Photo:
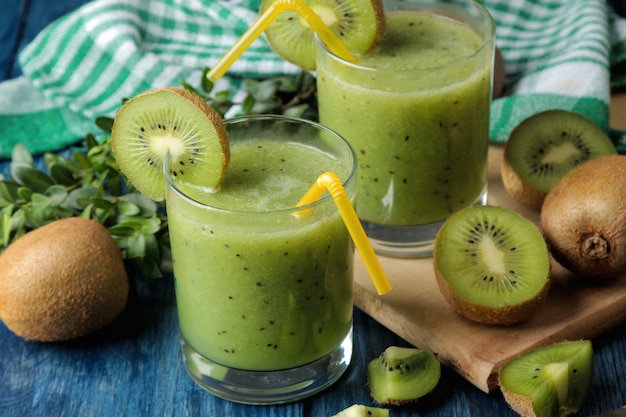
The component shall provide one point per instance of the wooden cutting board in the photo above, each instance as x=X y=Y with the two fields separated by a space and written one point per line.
x=416 y=311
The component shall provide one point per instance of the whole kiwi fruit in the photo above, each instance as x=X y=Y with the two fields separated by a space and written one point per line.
x=62 y=281
x=583 y=218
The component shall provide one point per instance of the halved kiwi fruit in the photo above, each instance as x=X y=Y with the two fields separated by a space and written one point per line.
x=546 y=146
x=169 y=122
x=492 y=265
x=359 y=24
x=402 y=374
x=359 y=410
x=551 y=381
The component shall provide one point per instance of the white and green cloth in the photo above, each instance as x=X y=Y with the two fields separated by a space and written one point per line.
x=564 y=54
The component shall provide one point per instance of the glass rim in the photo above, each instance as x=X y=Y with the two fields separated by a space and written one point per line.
x=261 y=117
x=490 y=38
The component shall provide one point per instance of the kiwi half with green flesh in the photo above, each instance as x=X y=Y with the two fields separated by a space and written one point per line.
x=551 y=381
x=358 y=24
x=401 y=374
x=492 y=265
x=583 y=219
x=358 y=410
x=174 y=122
x=546 y=146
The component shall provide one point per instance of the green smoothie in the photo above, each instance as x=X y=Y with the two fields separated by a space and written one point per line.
x=258 y=288
x=416 y=111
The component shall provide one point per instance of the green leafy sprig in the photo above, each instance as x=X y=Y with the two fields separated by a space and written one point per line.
x=86 y=182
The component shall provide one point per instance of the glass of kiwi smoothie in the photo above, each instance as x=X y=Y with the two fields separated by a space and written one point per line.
x=263 y=291
x=416 y=111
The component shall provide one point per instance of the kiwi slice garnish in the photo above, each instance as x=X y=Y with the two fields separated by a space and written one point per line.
x=358 y=24
x=492 y=265
x=174 y=122
x=551 y=381
x=359 y=410
x=402 y=374
x=545 y=147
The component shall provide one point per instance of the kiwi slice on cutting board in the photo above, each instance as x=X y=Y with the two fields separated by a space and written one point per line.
x=359 y=410
x=174 y=122
x=550 y=381
x=401 y=374
x=545 y=147
x=492 y=265
x=358 y=24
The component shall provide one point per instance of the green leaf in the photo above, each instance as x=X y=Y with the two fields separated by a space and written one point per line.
x=223 y=97
x=80 y=198
x=90 y=139
x=6 y=222
x=61 y=174
x=31 y=177
x=126 y=208
x=247 y=104
x=121 y=230
x=24 y=193
x=135 y=246
x=104 y=123
x=296 y=111
x=102 y=203
x=56 y=195
x=207 y=85
x=148 y=207
x=21 y=155
x=82 y=159
x=8 y=191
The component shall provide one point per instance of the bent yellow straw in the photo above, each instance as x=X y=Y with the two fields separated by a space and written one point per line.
x=331 y=182
x=265 y=19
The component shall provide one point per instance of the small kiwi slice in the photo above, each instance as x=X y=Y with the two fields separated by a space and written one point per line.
x=546 y=146
x=492 y=265
x=358 y=410
x=359 y=24
x=401 y=374
x=174 y=122
x=583 y=219
x=550 y=381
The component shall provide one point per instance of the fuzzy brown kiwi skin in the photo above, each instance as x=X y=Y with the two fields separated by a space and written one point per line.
x=522 y=404
x=502 y=316
x=62 y=281
x=583 y=219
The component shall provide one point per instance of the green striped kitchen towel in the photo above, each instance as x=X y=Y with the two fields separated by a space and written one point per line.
x=559 y=54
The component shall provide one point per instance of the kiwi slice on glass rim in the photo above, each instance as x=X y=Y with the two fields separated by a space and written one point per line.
x=550 y=381
x=169 y=122
x=492 y=265
x=545 y=147
x=402 y=374
x=358 y=24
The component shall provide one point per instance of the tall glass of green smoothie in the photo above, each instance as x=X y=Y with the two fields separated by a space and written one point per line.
x=416 y=111
x=264 y=293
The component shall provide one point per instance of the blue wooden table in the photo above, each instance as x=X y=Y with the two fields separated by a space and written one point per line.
x=134 y=367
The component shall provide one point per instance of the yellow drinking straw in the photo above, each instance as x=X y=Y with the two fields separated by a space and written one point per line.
x=331 y=182
x=265 y=19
